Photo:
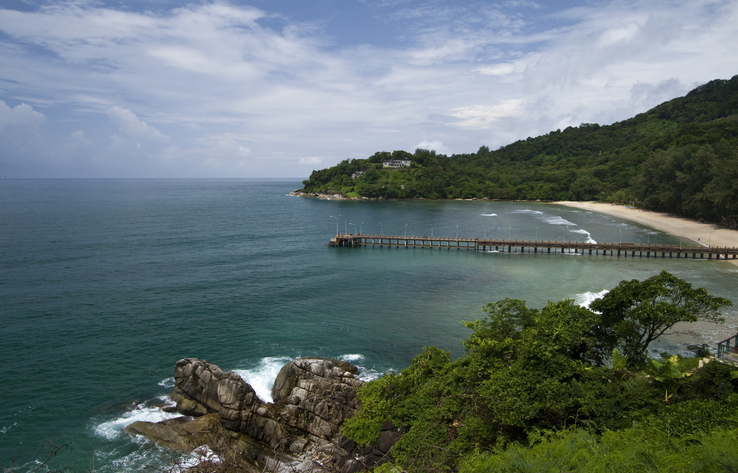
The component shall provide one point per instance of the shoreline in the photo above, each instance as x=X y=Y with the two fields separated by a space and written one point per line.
x=705 y=234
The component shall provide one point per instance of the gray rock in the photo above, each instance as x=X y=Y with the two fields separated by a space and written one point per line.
x=178 y=435
x=312 y=398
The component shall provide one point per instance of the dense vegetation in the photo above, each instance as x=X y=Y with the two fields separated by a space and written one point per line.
x=679 y=157
x=544 y=390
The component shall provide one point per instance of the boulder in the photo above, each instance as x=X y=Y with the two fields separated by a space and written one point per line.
x=315 y=395
x=301 y=427
x=181 y=434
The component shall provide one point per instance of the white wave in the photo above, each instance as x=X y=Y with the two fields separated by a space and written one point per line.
x=262 y=377
x=166 y=399
x=369 y=374
x=546 y=218
x=351 y=357
x=489 y=215
x=527 y=211
x=112 y=428
x=167 y=383
x=586 y=298
x=143 y=458
x=201 y=454
x=556 y=220
x=5 y=429
x=584 y=232
x=365 y=374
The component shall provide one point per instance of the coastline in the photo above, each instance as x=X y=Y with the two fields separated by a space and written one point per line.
x=705 y=234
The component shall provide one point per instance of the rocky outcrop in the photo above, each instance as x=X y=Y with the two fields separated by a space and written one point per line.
x=325 y=196
x=311 y=399
x=200 y=385
x=315 y=396
x=182 y=434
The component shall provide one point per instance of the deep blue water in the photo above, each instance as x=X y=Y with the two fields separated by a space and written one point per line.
x=105 y=284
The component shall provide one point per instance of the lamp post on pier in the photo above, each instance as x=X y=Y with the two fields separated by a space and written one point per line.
x=353 y=225
x=361 y=228
x=336 y=222
x=406 y=230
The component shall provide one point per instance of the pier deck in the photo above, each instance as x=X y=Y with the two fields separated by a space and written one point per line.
x=352 y=240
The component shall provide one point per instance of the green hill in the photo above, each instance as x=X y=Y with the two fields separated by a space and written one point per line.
x=679 y=157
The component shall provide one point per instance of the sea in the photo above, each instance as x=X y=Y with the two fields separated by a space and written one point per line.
x=105 y=284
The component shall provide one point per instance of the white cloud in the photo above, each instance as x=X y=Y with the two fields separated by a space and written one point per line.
x=19 y=117
x=485 y=116
x=436 y=146
x=312 y=161
x=502 y=69
x=619 y=34
x=133 y=128
x=215 y=87
x=21 y=142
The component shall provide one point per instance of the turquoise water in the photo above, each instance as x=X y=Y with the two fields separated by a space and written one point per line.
x=105 y=284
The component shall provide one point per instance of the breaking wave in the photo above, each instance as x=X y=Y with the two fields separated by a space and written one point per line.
x=584 y=232
x=586 y=298
x=140 y=412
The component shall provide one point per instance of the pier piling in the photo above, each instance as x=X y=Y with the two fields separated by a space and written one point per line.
x=351 y=240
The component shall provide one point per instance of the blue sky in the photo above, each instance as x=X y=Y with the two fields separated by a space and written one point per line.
x=278 y=88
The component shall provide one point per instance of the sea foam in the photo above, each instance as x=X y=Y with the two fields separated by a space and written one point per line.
x=546 y=218
x=141 y=412
x=555 y=220
x=584 y=232
x=352 y=357
x=586 y=298
x=262 y=376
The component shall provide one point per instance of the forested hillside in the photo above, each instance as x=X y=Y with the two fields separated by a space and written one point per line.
x=563 y=388
x=679 y=157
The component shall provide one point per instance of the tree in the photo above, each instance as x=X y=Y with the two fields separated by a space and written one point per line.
x=635 y=313
x=527 y=371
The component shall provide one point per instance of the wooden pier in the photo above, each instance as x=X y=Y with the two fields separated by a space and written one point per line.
x=352 y=240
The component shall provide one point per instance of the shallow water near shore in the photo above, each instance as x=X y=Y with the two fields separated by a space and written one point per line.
x=107 y=283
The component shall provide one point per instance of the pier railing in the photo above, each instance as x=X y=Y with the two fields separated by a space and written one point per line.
x=728 y=349
x=352 y=240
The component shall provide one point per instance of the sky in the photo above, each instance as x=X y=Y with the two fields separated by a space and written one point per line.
x=279 y=88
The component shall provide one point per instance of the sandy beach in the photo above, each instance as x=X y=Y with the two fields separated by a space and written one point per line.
x=701 y=233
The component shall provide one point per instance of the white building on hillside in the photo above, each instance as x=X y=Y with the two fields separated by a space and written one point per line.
x=397 y=163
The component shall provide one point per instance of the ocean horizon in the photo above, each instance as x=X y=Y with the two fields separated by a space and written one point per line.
x=107 y=283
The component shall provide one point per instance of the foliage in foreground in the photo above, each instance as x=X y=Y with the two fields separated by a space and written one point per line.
x=642 y=448
x=679 y=157
x=536 y=381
